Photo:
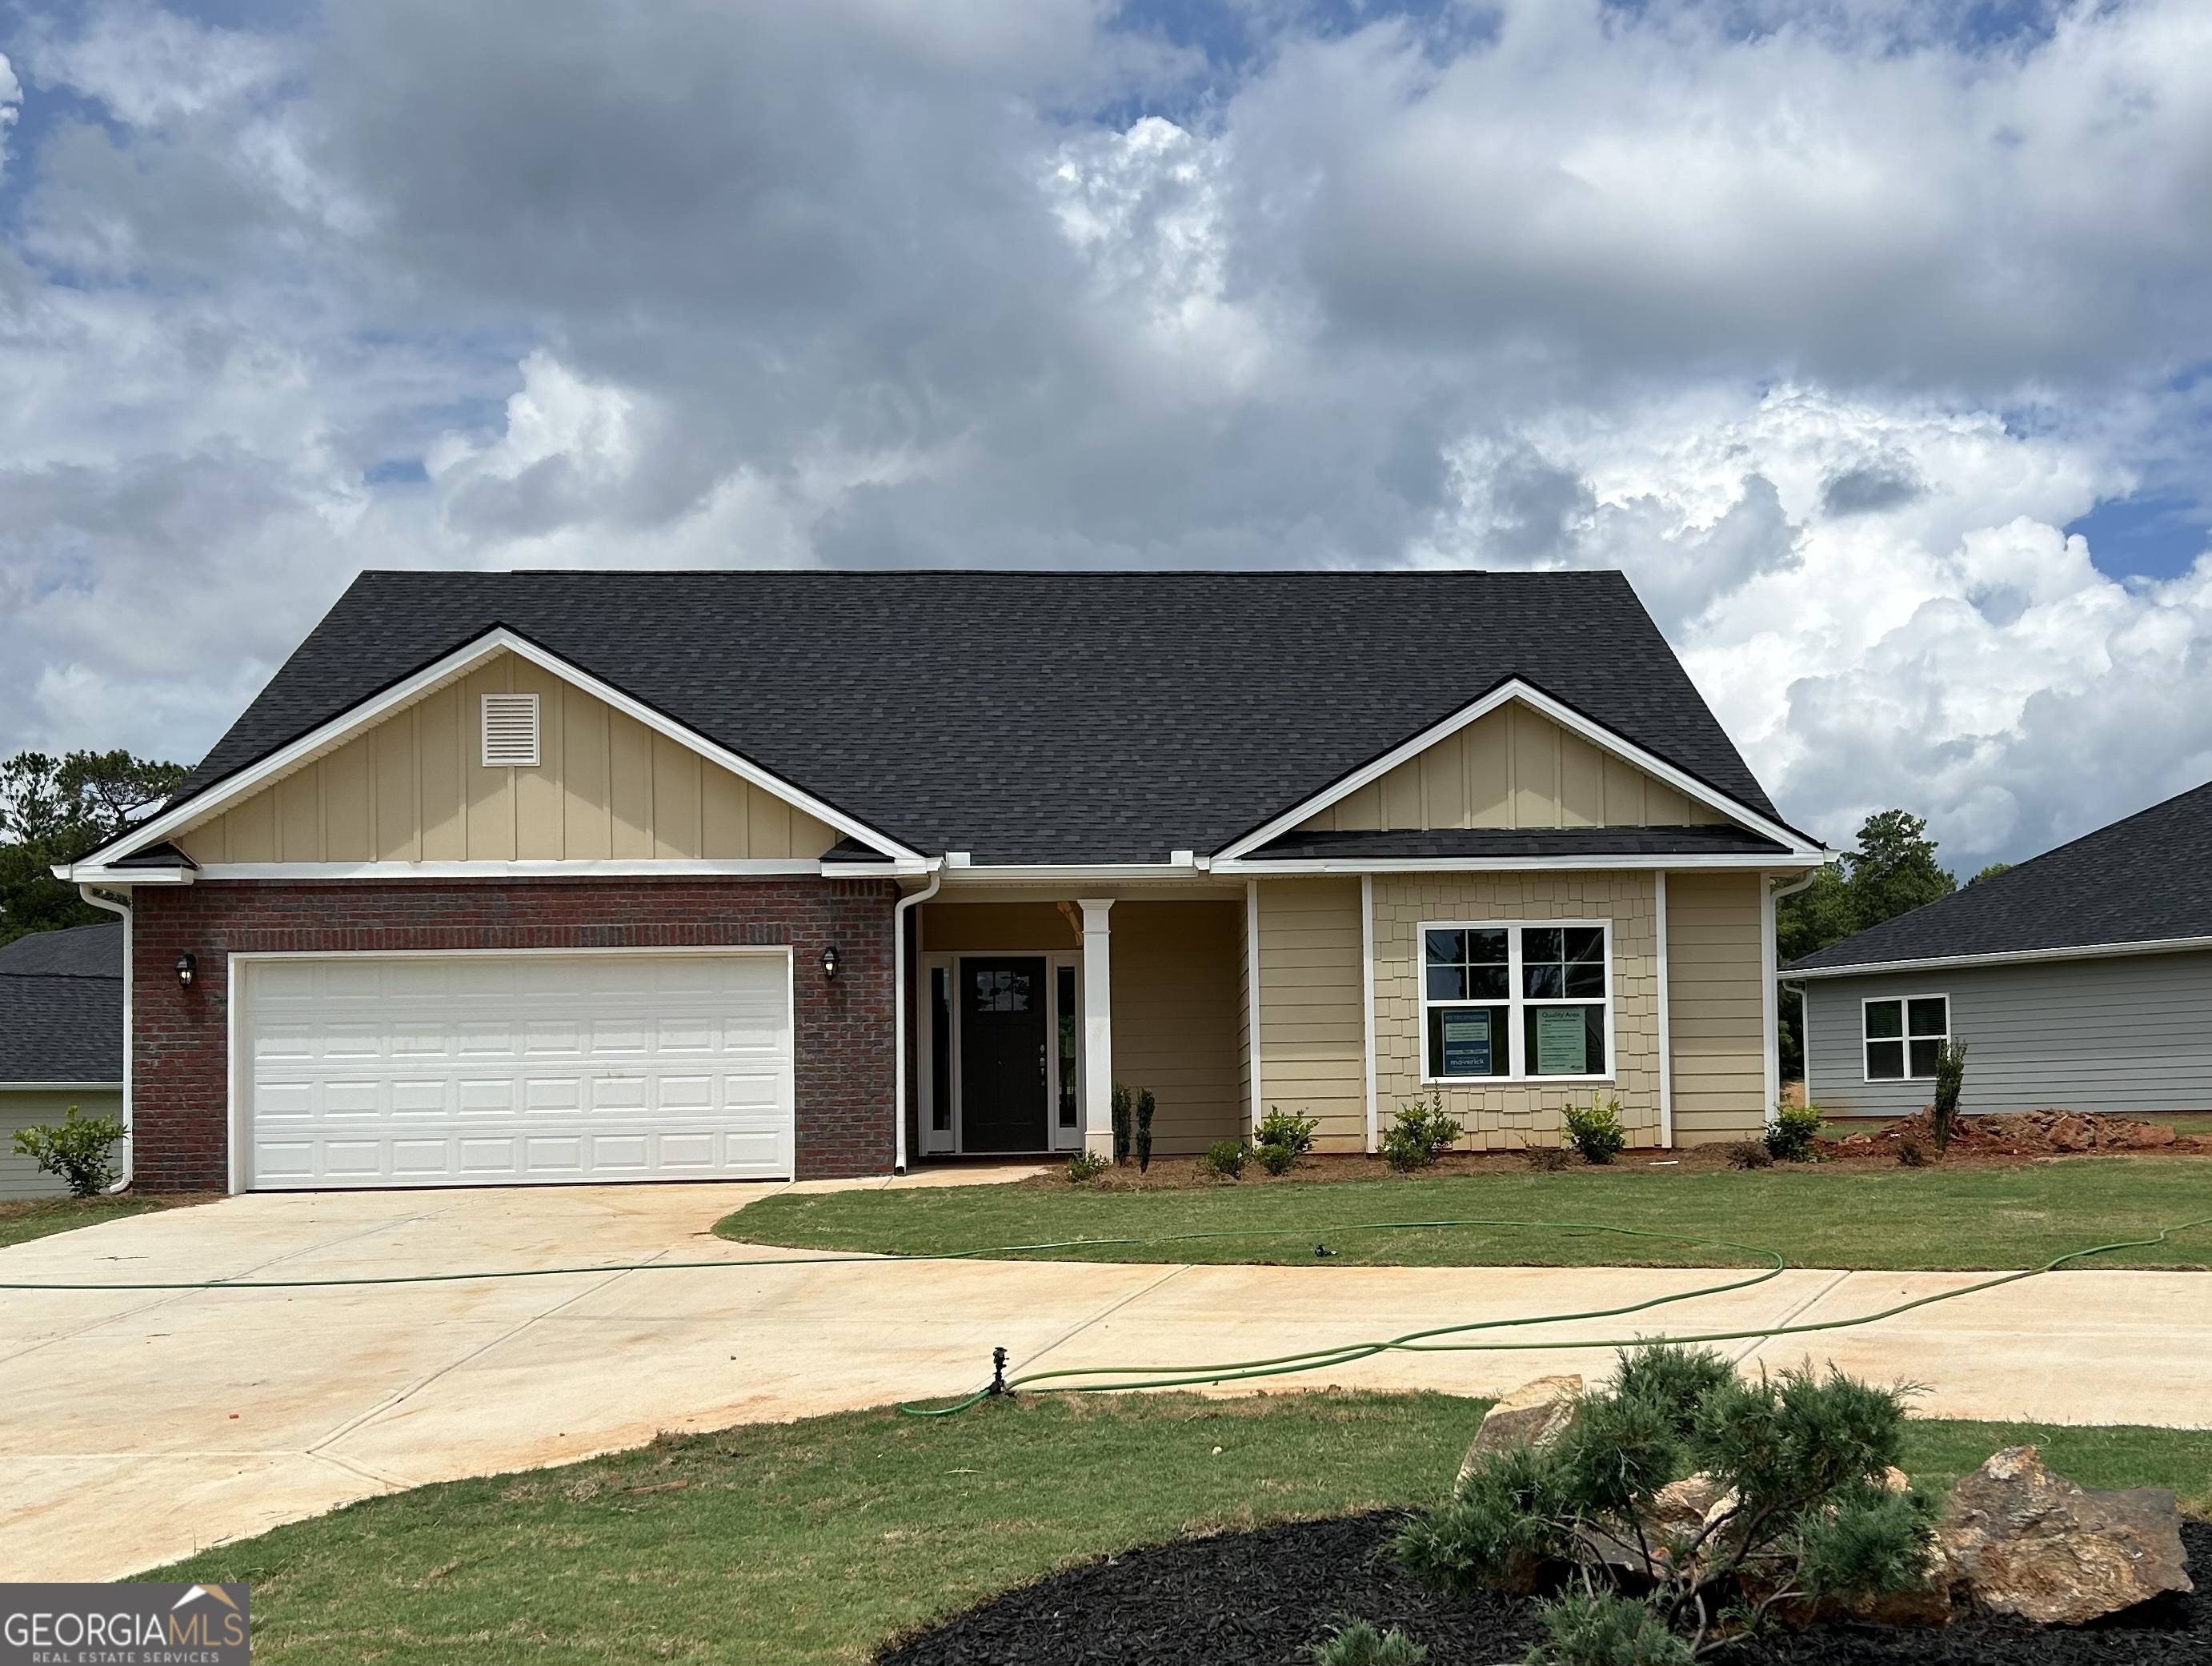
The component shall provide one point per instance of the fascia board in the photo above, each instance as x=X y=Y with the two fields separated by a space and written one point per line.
x=89 y=873
x=366 y=714
x=61 y=1087
x=1778 y=862
x=1998 y=958
x=1566 y=717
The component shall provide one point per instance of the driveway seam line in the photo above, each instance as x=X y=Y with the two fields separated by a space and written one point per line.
x=1788 y=1317
x=1099 y=1318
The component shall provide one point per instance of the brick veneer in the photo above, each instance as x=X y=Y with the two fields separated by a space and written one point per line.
x=843 y=1044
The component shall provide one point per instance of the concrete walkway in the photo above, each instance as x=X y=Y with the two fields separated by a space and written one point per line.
x=141 y=1427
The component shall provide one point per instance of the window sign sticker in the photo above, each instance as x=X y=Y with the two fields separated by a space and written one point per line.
x=123 y=1625
x=1562 y=1042
x=1466 y=1044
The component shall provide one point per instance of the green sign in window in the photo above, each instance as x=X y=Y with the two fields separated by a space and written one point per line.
x=1562 y=1041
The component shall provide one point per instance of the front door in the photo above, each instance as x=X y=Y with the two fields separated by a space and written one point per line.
x=1005 y=1007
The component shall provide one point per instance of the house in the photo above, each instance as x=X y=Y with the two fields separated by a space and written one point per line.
x=61 y=1039
x=2082 y=979
x=611 y=876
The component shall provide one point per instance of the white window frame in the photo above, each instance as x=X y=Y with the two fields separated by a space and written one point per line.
x=1514 y=1001
x=951 y=1140
x=1903 y=1037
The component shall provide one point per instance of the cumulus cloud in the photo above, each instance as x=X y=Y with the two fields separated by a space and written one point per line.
x=1823 y=324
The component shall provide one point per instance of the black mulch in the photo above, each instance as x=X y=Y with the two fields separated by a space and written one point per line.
x=1260 y=1598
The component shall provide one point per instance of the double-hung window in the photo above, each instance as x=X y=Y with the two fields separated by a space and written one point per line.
x=1903 y=1036
x=1502 y=1000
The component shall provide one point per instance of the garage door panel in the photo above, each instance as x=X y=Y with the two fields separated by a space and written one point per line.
x=434 y=1070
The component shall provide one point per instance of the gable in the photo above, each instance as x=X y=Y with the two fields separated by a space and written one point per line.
x=1512 y=768
x=414 y=788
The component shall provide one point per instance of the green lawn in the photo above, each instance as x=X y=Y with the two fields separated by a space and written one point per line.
x=2010 y=1217
x=771 y=1545
x=24 y=1219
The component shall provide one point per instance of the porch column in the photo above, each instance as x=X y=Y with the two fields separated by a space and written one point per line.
x=1098 y=1028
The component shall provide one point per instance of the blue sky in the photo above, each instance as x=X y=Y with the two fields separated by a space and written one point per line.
x=1862 y=334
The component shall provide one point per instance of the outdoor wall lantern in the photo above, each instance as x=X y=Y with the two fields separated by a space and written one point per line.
x=186 y=965
x=830 y=963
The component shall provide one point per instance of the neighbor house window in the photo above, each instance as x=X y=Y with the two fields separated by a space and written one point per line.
x=1517 y=1002
x=1904 y=1035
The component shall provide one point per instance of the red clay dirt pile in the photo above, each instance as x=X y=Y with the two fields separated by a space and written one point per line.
x=2022 y=1134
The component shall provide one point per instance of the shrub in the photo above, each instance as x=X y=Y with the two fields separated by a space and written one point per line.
x=1120 y=1101
x=1789 y=1136
x=1545 y=1159
x=79 y=1150
x=1950 y=1076
x=1357 y=1643
x=1146 y=1106
x=1286 y=1128
x=1597 y=1132
x=1749 y=1154
x=1794 y=1463
x=1086 y=1165
x=1911 y=1151
x=1420 y=1134
x=1224 y=1159
x=1275 y=1159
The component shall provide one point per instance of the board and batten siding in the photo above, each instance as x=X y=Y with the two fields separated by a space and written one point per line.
x=1512 y=767
x=2122 y=1033
x=1509 y=1115
x=415 y=789
x=1716 y=1005
x=1313 y=1031
x=23 y=1107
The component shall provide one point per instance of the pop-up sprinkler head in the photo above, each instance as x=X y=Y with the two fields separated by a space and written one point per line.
x=999 y=1372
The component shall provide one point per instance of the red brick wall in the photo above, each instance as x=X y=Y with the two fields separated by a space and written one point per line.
x=180 y=1084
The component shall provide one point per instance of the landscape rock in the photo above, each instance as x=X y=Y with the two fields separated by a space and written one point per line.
x=2034 y=1546
x=1534 y=1414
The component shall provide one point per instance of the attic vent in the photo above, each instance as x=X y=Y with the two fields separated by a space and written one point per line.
x=510 y=730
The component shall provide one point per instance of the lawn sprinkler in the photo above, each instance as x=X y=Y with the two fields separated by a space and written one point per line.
x=998 y=1372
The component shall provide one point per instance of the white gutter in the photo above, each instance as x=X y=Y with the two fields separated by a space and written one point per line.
x=1770 y=998
x=130 y=1145
x=2001 y=957
x=898 y=1006
x=1765 y=862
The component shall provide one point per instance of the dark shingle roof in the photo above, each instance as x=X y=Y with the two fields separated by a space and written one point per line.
x=61 y=1007
x=1032 y=717
x=1517 y=842
x=79 y=952
x=2147 y=880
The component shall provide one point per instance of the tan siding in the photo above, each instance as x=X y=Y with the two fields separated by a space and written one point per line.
x=1512 y=768
x=1312 y=1029
x=991 y=927
x=414 y=788
x=23 y=1107
x=1518 y=1114
x=1713 y=994
x=1176 y=1023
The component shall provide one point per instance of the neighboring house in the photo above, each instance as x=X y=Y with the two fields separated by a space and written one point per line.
x=614 y=876
x=2082 y=979
x=61 y=1039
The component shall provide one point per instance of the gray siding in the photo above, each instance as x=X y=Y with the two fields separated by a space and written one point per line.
x=21 y=1107
x=2120 y=1033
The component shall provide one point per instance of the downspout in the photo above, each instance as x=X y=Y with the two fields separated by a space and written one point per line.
x=130 y=1145
x=1770 y=1002
x=898 y=1002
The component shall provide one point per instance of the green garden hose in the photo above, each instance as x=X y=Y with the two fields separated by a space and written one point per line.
x=1108 y=1379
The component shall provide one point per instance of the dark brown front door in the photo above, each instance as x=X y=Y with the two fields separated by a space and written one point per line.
x=1005 y=1007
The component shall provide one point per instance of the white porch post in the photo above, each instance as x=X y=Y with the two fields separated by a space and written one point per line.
x=1098 y=1027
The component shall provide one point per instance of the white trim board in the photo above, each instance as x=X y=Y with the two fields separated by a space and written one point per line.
x=329 y=736
x=1776 y=863
x=1567 y=718
x=2001 y=958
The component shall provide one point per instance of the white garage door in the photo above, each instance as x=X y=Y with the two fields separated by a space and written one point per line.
x=457 y=1070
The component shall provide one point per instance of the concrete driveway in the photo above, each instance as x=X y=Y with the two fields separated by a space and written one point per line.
x=141 y=1427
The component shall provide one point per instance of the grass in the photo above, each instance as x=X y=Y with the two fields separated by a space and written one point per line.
x=771 y=1545
x=24 y=1219
x=1976 y=1217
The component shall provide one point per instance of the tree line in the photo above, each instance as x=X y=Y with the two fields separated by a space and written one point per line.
x=59 y=809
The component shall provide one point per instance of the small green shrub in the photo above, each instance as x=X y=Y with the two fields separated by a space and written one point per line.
x=1286 y=1128
x=1420 y=1133
x=1122 y=1102
x=1275 y=1159
x=1545 y=1159
x=1224 y=1158
x=1749 y=1154
x=1595 y=1130
x=1086 y=1165
x=1600 y=1628
x=79 y=1150
x=1789 y=1136
x=1912 y=1151
x=1146 y=1106
x=1950 y=1078
x=1357 y=1643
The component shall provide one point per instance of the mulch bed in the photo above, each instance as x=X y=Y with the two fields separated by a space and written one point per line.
x=1260 y=1598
